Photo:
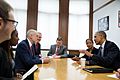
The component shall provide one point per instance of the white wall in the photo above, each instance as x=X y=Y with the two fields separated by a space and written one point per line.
x=110 y=10
x=98 y=3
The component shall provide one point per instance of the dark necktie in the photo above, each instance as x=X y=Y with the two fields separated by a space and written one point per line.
x=37 y=47
x=32 y=50
x=100 y=51
x=57 y=51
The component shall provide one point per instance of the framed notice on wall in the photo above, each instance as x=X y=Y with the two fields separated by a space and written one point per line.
x=119 y=19
x=103 y=24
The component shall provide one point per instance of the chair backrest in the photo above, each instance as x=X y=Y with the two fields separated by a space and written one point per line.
x=44 y=53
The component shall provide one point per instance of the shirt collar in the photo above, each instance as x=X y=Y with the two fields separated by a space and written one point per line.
x=30 y=44
x=103 y=44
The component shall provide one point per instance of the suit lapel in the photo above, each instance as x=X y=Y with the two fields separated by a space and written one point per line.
x=105 y=47
x=28 y=47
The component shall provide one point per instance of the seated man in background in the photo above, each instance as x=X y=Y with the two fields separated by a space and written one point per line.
x=108 y=55
x=25 y=57
x=38 y=45
x=58 y=50
x=91 y=48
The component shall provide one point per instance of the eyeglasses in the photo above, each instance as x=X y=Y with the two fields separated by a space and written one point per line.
x=15 y=23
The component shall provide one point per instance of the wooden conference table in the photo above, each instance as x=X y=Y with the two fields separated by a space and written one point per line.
x=66 y=69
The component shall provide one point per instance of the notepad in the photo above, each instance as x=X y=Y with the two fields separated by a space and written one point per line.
x=35 y=67
x=99 y=70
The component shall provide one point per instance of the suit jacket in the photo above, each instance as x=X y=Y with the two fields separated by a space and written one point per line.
x=94 y=51
x=37 y=49
x=62 y=51
x=111 y=56
x=24 y=58
x=5 y=66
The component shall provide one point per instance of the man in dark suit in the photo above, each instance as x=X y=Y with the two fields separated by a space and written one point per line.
x=25 y=56
x=58 y=50
x=38 y=45
x=108 y=55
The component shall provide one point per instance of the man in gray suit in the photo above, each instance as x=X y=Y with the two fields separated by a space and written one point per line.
x=58 y=50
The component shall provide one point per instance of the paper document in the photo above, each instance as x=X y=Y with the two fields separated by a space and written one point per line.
x=49 y=79
x=112 y=76
x=29 y=72
x=50 y=57
x=81 y=54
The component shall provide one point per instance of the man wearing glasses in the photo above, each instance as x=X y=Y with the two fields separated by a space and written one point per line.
x=7 y=22
x=7 y=26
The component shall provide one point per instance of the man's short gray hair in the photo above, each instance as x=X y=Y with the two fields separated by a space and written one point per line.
x=31 y=32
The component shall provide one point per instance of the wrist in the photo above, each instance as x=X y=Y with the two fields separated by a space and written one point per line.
x=91 y=55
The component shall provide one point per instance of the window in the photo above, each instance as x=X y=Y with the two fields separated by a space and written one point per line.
x=20 y=12
x=78 y=24
x=48 y=12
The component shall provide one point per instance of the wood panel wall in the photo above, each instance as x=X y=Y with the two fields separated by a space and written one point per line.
x=32 y=13
x=91 y=20
x=63 y=20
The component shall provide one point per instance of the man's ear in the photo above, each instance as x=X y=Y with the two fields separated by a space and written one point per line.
x=1 y=23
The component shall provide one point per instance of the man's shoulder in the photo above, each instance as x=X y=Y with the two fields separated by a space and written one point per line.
x=53 y=45
x=64 y=46
x=111 y=44
x=23 y=42
x=109 y=41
